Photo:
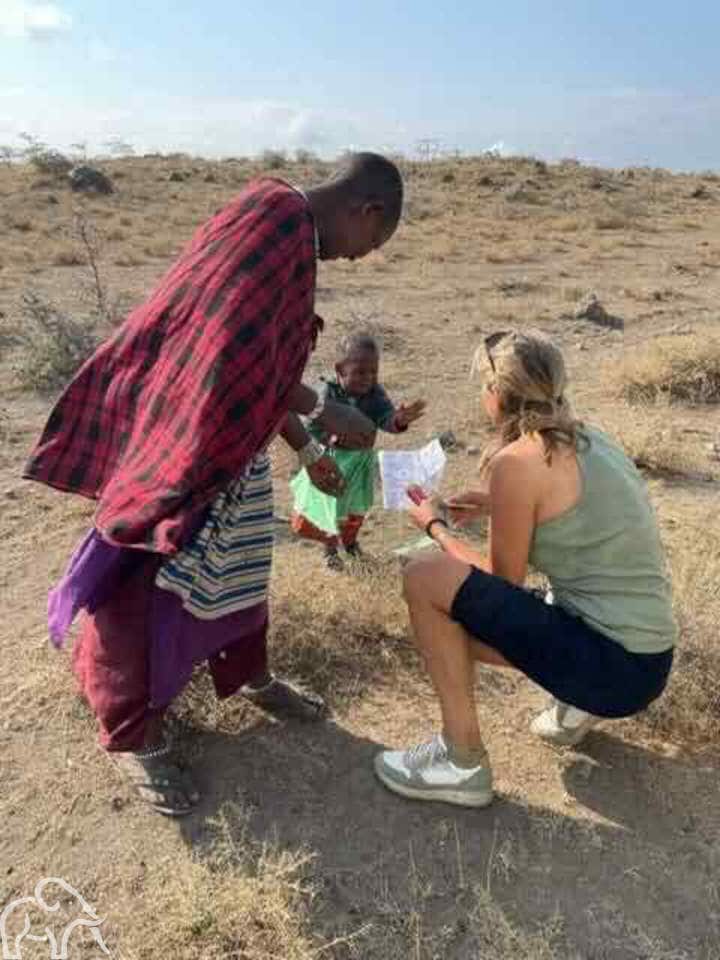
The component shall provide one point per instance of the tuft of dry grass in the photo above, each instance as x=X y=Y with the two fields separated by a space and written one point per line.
x=345 y=637
x=657 y=444
x=681 y=368
x=242 y=899
x=496 y=937
x=690 y=706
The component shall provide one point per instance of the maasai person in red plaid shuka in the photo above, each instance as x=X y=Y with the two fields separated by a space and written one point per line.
x=166 y=427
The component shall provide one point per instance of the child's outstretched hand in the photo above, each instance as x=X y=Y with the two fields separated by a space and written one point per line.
x=409 y=413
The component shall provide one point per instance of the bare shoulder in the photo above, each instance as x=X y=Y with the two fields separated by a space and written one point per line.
x=516 y=471
x=520 y=458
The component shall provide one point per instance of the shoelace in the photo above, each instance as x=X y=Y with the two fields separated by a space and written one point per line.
x=424 y=754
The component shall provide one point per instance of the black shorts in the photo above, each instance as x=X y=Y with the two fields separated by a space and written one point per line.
x=559 y=651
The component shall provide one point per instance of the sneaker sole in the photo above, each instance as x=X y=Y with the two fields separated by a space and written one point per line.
x=564 y=738
x=457 y=797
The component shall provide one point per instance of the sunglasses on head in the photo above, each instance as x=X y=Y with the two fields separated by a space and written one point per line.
x=491 y=342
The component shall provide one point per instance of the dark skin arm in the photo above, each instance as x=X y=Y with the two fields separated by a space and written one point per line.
x=324 y=473
x=336 y=418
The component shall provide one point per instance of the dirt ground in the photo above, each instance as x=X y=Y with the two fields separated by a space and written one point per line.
x=609 y=852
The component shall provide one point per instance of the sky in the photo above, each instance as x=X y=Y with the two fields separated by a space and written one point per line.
x=615 y=83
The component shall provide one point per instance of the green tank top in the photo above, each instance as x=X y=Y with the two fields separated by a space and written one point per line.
x=603 y=557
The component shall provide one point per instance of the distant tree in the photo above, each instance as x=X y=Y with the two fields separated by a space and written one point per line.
x=274 y=159
x=117 y=147
x=305 y=156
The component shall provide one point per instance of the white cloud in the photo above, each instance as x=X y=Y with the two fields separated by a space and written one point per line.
x=36 y=21
x=203 y=126
x=617 y=127
x=500 y=148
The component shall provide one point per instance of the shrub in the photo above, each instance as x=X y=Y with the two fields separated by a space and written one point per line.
x=50 y=162
x=682 y=368
x=54 y=344
x=274 y=159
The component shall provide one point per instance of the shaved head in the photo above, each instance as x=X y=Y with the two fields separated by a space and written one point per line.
x=372 y=178
x=359 y=208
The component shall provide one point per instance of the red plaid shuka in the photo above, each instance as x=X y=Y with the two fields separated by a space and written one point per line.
x=195 y=382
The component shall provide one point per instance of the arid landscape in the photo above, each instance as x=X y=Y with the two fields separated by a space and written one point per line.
x=607 y=852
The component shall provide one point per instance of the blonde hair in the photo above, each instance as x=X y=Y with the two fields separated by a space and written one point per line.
x=530 y=380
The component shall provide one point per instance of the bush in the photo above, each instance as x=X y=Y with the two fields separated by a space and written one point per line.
x=305 y=156
x=690 y=707
x=683 y=368
x=50 y=162
x=274 y=159
x=54 y=345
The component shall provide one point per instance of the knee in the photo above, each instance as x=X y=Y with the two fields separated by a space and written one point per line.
x=420 y=580
x=413 y=577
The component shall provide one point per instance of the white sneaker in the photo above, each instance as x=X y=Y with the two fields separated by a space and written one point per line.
x=425 y=772
x=563 y=724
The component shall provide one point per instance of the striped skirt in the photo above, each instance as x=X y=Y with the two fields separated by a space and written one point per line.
x=226 y=567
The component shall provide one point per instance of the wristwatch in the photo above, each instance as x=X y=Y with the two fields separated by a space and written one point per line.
x=429 y=526
x=310 y=453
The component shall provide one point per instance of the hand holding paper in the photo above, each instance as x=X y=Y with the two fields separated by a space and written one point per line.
x=400 y=469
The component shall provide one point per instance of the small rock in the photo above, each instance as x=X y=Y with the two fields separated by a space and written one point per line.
x=10 y=493
x=52 y=199
x=87 y=179
x=177 y=176
x=449 y=442
x=591 y=309
x=210 y=178
x=700 y=192
x=602 y=183
x=472 y=451
x=515 y=287
x=485 y=181
x=713 y=450
x=448 y=177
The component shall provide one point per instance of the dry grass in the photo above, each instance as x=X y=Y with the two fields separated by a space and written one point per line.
x=690 y=707
x=53 y=344
x=657 y=443
x=496 y=937
x=681 y=368
x=466 y=260
x=242 y=899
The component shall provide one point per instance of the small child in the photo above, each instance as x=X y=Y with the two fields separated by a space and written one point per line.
x=335 y=520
